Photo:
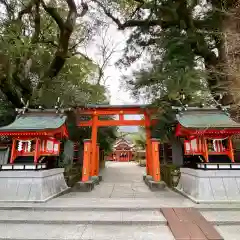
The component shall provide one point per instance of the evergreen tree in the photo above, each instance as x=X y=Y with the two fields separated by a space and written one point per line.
x=198 y=26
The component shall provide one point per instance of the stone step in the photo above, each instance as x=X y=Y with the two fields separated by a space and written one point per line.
x=218 y=207
x=78 y=202
x=83 y=217
x=83 y=232
x=224 y=217
x=229 y=232
x=81 y=208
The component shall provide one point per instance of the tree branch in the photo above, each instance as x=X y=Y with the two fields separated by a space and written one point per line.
x=141 y=3
x=131 y=22
x=72 y=48
x=84 y=9
x=108 y=13
x=66 y=28
x=27 y=9
x=21 y=75
x=151 y=41
x=72 y=15
x=54 y=14
x=82 y=55
x=36 y=34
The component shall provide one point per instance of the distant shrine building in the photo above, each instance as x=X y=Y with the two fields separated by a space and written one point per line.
x=123 y=151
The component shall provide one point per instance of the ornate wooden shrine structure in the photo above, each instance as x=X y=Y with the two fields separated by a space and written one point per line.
x=208 y=133
x=95 y=112
x=123 y=151
x=35 y=134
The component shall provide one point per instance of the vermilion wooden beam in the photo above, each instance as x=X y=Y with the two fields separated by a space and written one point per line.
x=104 y=123
x=115 y=111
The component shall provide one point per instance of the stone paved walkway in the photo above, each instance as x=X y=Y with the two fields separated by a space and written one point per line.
x=125 y=180
x=121 y=207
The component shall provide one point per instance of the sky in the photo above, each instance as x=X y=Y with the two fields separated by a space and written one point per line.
x=118 y=94
x=117 y=40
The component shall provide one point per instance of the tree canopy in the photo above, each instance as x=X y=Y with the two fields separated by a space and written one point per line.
x=41 y=57
x=188 y=47
x=185 y=41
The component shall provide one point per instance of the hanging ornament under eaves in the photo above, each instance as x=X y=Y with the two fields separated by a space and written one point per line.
x=29 y=146
x=20 y=146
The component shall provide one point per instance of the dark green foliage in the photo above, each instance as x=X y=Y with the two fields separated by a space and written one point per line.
x=73 y=174
x=164 y=129
x=167 y=172
x=38 y=64
x=177 y=36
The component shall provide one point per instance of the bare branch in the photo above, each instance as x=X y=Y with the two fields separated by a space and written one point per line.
x=76 y=44
x=108 y=13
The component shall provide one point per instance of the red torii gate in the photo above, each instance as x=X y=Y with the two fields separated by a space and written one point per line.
x=91 y=151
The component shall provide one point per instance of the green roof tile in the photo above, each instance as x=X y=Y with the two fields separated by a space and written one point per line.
x=34 y=122
x=206 y=118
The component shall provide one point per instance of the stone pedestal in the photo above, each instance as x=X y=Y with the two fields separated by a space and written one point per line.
x=153 y=186
x=210 y=186
x=87 y=186
x=32 y=186
x=84 y=186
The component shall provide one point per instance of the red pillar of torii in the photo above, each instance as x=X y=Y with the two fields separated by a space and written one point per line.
x=92 y=159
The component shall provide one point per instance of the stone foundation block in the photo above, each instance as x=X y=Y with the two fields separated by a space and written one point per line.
x=96 y=179
x=154 y=186
x=210 y=186
x=32 y=186
x=84 y=186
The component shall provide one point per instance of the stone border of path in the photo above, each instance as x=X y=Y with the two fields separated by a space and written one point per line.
x=32 y=186
x=211 y=186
